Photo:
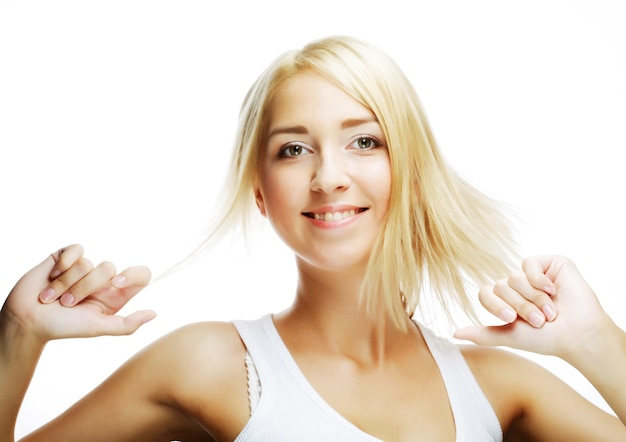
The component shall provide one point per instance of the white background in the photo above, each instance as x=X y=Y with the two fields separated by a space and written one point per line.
x=116 y=122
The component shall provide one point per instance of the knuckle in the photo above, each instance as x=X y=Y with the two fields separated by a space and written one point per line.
x=83 y=265
x=516 y=278
x=501 y=286
x=61 y=260
x=539 y=298
x=68 y=255
x=490 y=300
x=61 y=285
x=525 y=308
x=484 y=293
x=107 y=268
x=75 y=249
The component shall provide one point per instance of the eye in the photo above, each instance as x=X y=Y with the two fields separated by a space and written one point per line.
x=365 y=142
x=292 y=150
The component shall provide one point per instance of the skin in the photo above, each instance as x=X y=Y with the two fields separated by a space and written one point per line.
x=191 y=384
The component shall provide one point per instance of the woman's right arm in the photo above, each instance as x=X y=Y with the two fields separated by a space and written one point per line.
x=580 y=330
x=65 y=296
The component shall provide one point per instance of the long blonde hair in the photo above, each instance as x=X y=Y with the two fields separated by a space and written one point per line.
x=438 y=230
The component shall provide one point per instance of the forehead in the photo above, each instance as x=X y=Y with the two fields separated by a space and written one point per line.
x=310 y=97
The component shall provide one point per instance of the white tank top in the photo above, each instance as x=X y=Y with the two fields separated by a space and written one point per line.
x=290 y=409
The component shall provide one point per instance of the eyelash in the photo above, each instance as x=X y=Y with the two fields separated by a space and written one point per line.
x=375 y=142
x=283 y=152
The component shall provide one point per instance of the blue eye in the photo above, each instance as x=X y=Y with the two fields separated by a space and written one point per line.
x=366 y=142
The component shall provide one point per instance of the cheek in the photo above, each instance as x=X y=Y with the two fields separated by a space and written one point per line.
x=381 y=181
x=279 y=194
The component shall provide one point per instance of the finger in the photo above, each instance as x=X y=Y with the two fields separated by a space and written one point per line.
x=519 y=335
x=113 y=293
x=535 y=269
x=496 y=305
x=136 y=277
x=476 y=334
x=97 y=279
x=64 y=259
x=522 y=284
x=81 y=267
x=125 y=286
x=493 y=336
x=120 y=325
x=524 y=307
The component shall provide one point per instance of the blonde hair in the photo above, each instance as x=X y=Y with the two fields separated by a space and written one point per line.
x=438 y=230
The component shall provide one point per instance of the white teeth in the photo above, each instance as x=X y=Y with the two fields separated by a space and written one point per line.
x=334 y=216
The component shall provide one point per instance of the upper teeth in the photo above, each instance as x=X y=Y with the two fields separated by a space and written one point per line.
x=334 y=216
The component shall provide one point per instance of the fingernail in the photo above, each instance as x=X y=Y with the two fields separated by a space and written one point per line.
x=118 y=281
x=55 y=274
x=549 y=312
x=535 y=319
x=67 y=300
x=47 y=295
x=508 y=315
x=549 y=289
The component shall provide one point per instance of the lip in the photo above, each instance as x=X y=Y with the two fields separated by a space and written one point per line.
x=330 y=217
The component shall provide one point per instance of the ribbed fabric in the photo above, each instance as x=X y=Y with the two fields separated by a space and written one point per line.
x=291 y=410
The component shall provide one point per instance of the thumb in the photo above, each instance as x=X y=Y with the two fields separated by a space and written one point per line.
x=119 y=325
x=136 y=320
x=492 y=336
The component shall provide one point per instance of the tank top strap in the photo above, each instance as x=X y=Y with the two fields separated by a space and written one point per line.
x=474 y=417
x=261 y=350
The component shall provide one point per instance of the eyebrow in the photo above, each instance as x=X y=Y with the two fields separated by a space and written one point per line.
x=346 y=124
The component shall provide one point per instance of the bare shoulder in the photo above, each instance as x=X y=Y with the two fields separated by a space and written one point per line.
x=189 y=385
x=202 y=339
x=534 y=404
x=201 y=373
x=201 y=354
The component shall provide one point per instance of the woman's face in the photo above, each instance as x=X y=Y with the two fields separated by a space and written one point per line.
x=325 y=178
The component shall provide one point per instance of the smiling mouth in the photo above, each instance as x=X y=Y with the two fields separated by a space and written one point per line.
x=333 y=216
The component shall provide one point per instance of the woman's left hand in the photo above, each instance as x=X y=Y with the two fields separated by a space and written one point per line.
x=548 y=308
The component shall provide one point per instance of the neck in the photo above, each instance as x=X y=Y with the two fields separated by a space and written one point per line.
x=327 y=313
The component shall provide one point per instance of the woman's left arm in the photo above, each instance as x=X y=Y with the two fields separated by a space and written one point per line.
x=550 y=309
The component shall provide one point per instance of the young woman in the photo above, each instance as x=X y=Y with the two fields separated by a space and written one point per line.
x=335 y=151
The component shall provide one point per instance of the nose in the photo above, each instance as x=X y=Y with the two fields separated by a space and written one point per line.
x=330 y=174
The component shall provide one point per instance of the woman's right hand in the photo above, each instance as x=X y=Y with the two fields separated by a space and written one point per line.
x=67 y=297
